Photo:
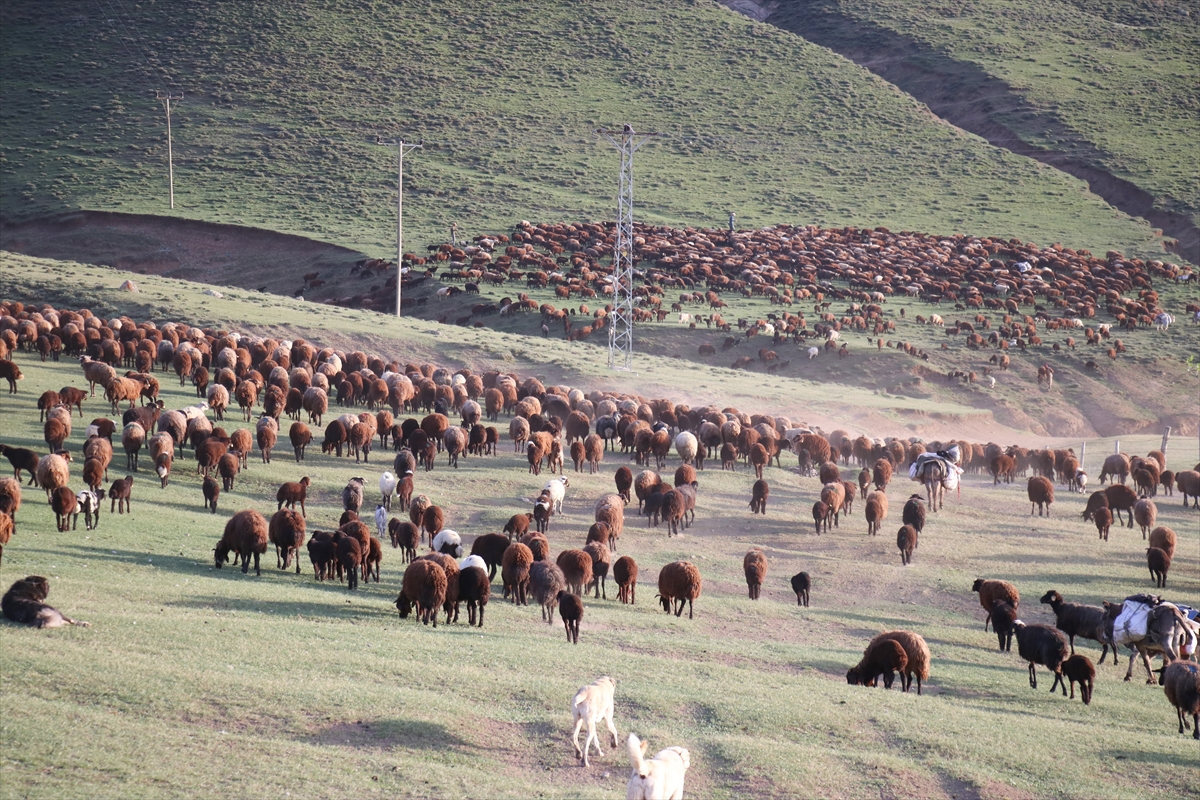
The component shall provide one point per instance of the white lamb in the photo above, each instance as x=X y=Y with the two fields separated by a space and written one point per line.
x=591 y=704
x=448 y=542
x=381 y=521
x=558 y=490
x=813 y=352
x=387 y=487
x=658 y=777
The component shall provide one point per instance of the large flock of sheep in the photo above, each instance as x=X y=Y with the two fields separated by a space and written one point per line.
x=297 y=384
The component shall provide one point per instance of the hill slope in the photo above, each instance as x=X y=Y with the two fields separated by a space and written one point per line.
x=284 y=101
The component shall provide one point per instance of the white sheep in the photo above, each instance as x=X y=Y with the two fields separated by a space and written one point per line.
x=448 y=542
x=193 y=412
x=387 y=487
x=991 y=382
x=558 y=490
x=685 y=318
x=686 y=446
x=813 y=352
x=381 y=521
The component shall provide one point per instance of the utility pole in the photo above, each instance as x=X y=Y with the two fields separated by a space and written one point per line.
x=166 y=98
x=620 y=329
x=402 y=147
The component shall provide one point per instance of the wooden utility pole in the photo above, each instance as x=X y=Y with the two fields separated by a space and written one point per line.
x=1166 y=437
x=167 y=98
x=402 y=147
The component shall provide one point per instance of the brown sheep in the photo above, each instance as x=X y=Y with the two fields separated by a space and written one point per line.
x=679 y=582
x=1188 y=483
x=881 y=474
x=423 y=589
x=601 y=562
x=6 y=532
x=294 y=492
x=286 y=532
x=1145 y=512
x=514 y=571
x=537 y=545
x=450 y=567
x=119 y=494
x=1096 y=500
x=801 y=585
x=241 y=441
x=593 y=452
x=992 y=590
x=1121 y=498
x=883 y=657
x=1003 y=466
x=610 y=509
x=1181 y=684
x=405 y=536
x=906 y=542
x=52 y=472
x=577 y=569
x=917 y=652
x=1159 y=562
x=66 y=508
x=754 y=564
x=212 y=493
x=577 y=455
x=645 y=484
x=300 y=437
x=246 y=534
x=570 y=608
x=821 y=516
x=1079 y=669
x=517 y=525
x=1164 y=539
x=267 y=435
x=876 y=512
x=133 y=437
x=1103 y=519
x=228 y=469
x=1116 y=465
x=829 y=472
x=349 y=560
x=55 y=433
x=1041 y=495
x=624 y=481
x=625 y=572
x=758 y=497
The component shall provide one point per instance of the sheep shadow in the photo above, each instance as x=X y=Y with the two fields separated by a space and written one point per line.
x=1126 y=754
x=387 y=734
x=278 y=608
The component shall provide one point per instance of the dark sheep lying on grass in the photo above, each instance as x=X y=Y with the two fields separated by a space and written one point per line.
x=22 y=603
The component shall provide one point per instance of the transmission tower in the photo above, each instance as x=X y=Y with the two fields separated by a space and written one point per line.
x=620 y=329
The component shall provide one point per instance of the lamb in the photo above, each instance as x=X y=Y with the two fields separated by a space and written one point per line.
x=754 y=565
x=21 y=459
x=52 y=472
x=876 y=512
x=570 y=608
x=300 y=437
x=821 y=516
x=517 y=525
x=906 y=542
x=447 y=541
x=1181 y=685
x=993 y=590
x=119 y=494
x=352 y=495
x=758 y=497
x=1003 y=617
x=1103 y=519
x=625 y=573
x=601 y=561
x=1075 y=619
x=350 y=560
x=801 y=584
x=212 y=492
x=624 y=481
x=883 y=657
x=914 y=513
x=577 y=569
x=679 y=582
x=1041 y=644
x=423 y=589
x=1041 y=494
x=1145 y=512
x=246 y=534
x=293 y=492
x=917 y=652
x=658 y=777
x=514 y=572
x=1079 y=669
x=1164 y=539
x=66 y=508
x=22 y=604
x=546 y=580
x=405 y=536
x=1159 y=562
x=89 y=504
x=592 y=704
x=227 y=467
x=286 y=532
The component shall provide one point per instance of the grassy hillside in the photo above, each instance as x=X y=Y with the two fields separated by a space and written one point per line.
x=198 y=681
x=284 y=101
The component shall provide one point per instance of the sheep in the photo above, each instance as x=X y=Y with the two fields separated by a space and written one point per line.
x=883 y=657
x=241 y=441
x=543 y=509
x=537 y=545
x=6 y=531
x=423 y=589
x=1095 y=501
x=624 y=481
x=592 y=704
x=212 y=492
x=1079 y=669
x=917 y=653
x=490 y=548
x=352 y=494
x=992 y=590
x=1188 y=483
x=906 y=542
x=119 y=494
x=405 y=536
x=881 y=473
x=162 y=468
x=601 y=561
x=446 y=541
x=1075 y=619
x=1121 y=498
x=322 y=552
x=914 y=513
x=66 y=508
x=535 y=454
x=1116 y=465
x=89 y=504
x=558 y=490
x=876 y=512
x=570 y=608
x=1103 y=519
x=267 y=432
x=517 y=525
x=227 y=467
x=658 y=777
x=625 y=573
x=1181 y=685
x=93 y=473
x=754 y=564
x=350 y=560
x=514 y=572
x=834 y=496
x=758 y=497
x=22 y=604
x=474 y=588
x=546 y=581
x=1159 y=562
x=133 y=437
x=10 y=496
x=1163 y=538
x=286 y=532
x=246 y=534
x=1145 y=512
x=646 y=483
x=1041 y=494
x=300 y=437
x=1003 y=617
x=679 y=582
x=673 y=509
x=1041 y=644
x=450 y=566
x=577 y=568
x=801 y=584
x=52 y=472
x=293 y=492
x=21 y=459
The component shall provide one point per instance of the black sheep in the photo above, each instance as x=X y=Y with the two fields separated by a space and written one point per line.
x=22 y=603
x=1159 y=562
x=570 y=608
x=1003 y=617
x=1041 y=644
x=801 y=585
x=490 y=547
x=474 y=587
x=1076 y=619
x=349 y=559
x=914 y=513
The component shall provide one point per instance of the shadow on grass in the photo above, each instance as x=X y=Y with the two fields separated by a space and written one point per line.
x=387 y=734
x=335 y=608
x=1125 y=754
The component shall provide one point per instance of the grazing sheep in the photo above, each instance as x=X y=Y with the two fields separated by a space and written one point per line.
x=801 y=584
x=592 y=704
x=1095 y=501
x=821 y=516
x=293 y=492
x=570 y=608
x=352 y=495
x=1116 y=465
x=914 y=513
x=625 y=573
x=1076 y=619
x=514 y=572
x=1103 y=519
x=658 y=777
x=450 y=567
x=758 y=497
x=52 y=472
x=405 y=536
x=1041 y=644
x=993 y=590
x=246 y=534
x=679 y=582
x=119 y=494
x=286 y=532
x=1145 y=512
x=446 y=541
x=1041 y=494
x=66 y=508
x=1164 y=539
x=906 y=542
x=212 y=492
x=754 y=565
x=1159 y=562
x=883 y=657
x=423 y=590
x=474 y=588
x=1079 y=669
x=919 y=658
x=1181 y=684
x=601 y=561
x=22 y=604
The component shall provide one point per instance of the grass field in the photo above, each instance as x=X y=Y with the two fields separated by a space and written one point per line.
x=193 y=681
x=283 y=103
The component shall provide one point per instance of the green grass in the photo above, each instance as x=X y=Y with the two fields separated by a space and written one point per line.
x=193 y=681
x=283 y=103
